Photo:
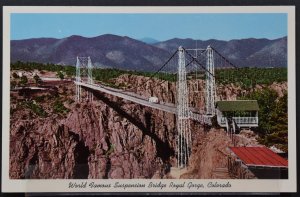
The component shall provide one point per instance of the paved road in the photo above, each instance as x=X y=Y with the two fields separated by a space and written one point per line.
x=29 y=87
x=53 y=79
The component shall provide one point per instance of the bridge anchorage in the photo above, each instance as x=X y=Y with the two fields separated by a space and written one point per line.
x=190 y=65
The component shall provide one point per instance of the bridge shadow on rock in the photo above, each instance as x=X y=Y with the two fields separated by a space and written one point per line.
x=81 y=152
x=164 y=151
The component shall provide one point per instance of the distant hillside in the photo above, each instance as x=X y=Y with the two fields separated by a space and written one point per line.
x=111 y=51
x=245 y=52
x=149 y=40
x=105 y=51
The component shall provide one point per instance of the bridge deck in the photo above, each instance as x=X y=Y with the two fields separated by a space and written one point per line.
x=167 y=107
x=130 y=96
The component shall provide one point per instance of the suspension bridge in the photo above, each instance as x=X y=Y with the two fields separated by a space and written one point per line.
x=194 y=65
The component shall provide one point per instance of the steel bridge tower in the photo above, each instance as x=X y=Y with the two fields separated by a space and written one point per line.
x=84 y=63
x=183 y=126
x=210 y=90
x=78 y=79
x=90 y=78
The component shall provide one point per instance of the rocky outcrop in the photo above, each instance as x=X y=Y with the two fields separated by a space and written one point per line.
x=209 y=151
x=165 y=91
x=280 y=88
x=45 y=149
x=125 y=139
x=107 y=138
x=114 y=138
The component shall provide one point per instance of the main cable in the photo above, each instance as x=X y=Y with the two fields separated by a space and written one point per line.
x=198 y=63
x=224 y=58
x=158 y=70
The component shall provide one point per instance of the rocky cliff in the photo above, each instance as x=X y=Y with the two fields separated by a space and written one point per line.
x=110 y=137
x=106 y=138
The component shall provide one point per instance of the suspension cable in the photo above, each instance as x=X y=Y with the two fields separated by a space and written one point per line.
x=224 y=58
x=192 y=61
x=199 y=63
x=172 y=74
x=158 y=70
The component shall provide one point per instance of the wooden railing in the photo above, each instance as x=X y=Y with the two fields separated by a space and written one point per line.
x=203 y=119
x=240 y=120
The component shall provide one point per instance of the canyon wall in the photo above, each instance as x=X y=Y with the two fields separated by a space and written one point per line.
x=106 y=138
x=114 y=138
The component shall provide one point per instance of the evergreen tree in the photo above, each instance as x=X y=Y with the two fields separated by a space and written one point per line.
x=37 y=79
x=23 y=80
x=273 y=118
x=60 y=75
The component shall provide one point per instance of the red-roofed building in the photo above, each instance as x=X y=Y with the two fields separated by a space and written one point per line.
x=261 y=161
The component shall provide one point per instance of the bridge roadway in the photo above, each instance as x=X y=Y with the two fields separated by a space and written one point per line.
x=167 y=107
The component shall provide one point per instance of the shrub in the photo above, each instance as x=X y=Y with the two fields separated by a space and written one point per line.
x=35 y=108
x=37 y=79
x=110 y=150
x=60 y=75
x=13 y=84
x=15 y=75
x=273 y=120
x=23 y=80
x=58 y=107
x=40 y=98
x=249 y=77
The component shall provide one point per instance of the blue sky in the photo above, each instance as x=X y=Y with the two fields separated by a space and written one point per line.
x=157 y=26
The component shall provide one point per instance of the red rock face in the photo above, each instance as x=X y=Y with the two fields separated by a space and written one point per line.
x=108 y=138
x=111 y=137
x=43 y=149
x=124 y=144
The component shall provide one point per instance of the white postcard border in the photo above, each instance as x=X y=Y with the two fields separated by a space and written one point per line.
x=59 y=185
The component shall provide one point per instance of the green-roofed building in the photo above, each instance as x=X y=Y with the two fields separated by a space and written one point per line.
x=243 y=112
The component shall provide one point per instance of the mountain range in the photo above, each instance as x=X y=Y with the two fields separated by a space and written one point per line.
x=149 y=40
x=112 y=51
